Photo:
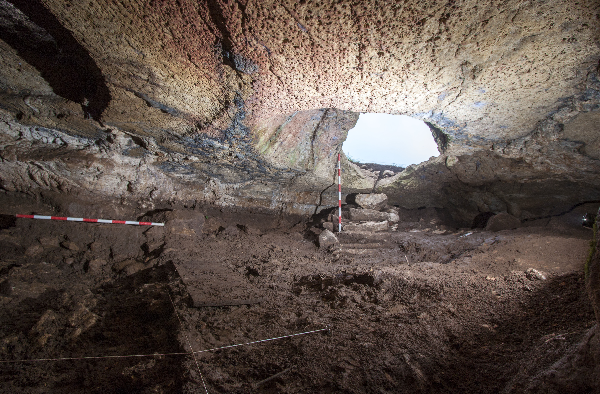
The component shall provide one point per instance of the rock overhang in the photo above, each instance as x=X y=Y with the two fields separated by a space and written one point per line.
x=248 y=102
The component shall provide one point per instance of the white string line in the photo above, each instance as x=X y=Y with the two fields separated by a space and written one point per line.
x=189 y=343
x=158 y=354
x=262 y=340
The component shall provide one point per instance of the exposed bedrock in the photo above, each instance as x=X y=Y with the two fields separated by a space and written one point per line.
x=246 y=103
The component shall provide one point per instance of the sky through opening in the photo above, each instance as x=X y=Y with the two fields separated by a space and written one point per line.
x=390 y=139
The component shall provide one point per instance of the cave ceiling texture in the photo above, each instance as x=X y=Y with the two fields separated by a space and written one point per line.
x=247 y=103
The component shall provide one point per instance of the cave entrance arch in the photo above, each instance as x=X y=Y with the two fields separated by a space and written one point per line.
x=392 y=140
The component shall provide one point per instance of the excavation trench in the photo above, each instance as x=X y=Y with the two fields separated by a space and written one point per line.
x=455 y=311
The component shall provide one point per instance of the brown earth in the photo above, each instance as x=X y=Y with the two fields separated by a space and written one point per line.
x=417 y=310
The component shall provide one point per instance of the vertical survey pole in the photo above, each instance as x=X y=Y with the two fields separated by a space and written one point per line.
x=340 y=192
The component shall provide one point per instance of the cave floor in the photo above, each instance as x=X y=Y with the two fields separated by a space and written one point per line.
x=404 y=311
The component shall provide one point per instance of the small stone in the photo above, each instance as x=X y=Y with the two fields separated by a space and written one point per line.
x=72 y=246
x=451 y=161
x=69 y=260
x=96 y=246
x=120 y=266
x=50 y=242
x=532 y=274
x=327 y=239
x=133 y=268
x=96 y=265
x=393 y=217
x=34 y=250
x=250 y=230
x=490 y=278
x=371 y=201
x=231 y=230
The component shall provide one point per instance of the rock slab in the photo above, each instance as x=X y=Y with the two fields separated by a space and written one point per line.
x=371 y=201
x=367 y=226
x=502 y=221
x=367 y=215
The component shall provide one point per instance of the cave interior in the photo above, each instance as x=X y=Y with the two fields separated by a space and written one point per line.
x=222 y=121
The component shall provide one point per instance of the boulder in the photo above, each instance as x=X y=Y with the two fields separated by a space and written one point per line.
x=371 y=201
x=367 y=226
x=328 y=226
x=502 y=221
x=327 y=239
x=367 y=215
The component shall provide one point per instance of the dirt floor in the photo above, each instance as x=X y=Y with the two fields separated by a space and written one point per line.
x=415 y=310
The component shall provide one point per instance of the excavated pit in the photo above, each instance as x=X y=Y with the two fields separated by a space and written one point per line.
x=431 y=309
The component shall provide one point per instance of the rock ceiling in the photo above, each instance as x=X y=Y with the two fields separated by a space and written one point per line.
x=246 y=103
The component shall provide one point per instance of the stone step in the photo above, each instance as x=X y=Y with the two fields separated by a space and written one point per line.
x=363 y=237
x=367 y=246
x=366 y=226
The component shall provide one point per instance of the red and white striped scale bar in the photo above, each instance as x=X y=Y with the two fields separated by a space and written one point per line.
x=89 y=220
x=340 y=192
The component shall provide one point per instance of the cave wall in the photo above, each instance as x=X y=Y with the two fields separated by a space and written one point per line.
x=245 y=103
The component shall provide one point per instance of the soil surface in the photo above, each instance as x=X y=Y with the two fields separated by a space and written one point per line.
x=415 y=310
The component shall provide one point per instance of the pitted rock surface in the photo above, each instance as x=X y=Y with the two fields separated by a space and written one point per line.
x=246 y=104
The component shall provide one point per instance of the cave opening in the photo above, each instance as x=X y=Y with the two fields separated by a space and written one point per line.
x=393 y=140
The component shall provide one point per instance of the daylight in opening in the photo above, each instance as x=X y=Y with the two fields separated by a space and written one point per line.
x=390 y=139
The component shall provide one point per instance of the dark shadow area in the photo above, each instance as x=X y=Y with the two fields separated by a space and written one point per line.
x=480 y=221
x=134 y=316
x=42 y=41
x=530 y=336
x=7 y=221
x=441 y=138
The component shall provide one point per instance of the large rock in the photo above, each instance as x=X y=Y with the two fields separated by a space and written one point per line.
x=367 y=226
x=364 y=215
x=327 y=239
x=502 y=221
x=371 y=201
